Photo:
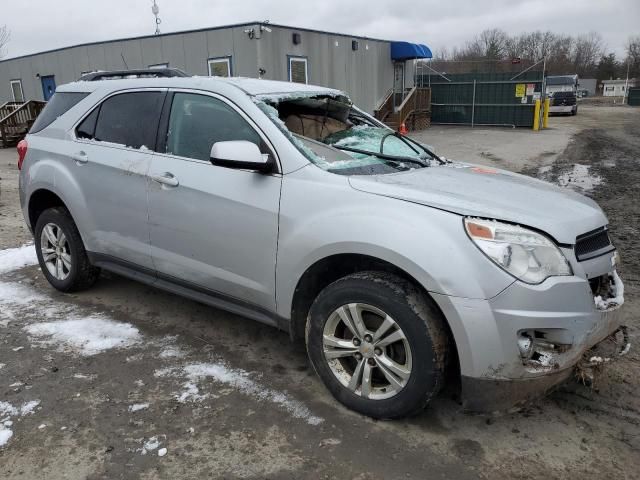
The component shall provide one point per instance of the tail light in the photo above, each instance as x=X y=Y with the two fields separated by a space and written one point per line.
x=22 y=152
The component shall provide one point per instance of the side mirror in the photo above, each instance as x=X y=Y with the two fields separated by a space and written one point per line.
x=240 y=154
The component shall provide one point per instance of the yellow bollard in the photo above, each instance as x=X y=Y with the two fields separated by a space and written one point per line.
x=536 y=116
x=545 y=113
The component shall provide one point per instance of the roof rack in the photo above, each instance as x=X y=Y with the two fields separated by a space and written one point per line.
x=141 y=73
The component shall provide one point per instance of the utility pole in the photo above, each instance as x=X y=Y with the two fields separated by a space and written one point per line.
x=626 y=82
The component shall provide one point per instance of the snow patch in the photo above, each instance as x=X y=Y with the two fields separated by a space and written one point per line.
x=7 y=410
x=172 y=352
x=29 y=407
x=88 y=336
x=138 y=406
x=5 y=435
x=191 y=392
x=579 y=178
x=239 y=379
x=15 y=258
x=151 y=444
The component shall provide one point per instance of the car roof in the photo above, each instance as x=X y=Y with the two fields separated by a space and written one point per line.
x=251 y=86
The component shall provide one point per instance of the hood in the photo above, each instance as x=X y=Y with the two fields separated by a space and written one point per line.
x=491 y=193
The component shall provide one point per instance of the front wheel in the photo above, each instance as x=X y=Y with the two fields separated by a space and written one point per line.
x=378 y=343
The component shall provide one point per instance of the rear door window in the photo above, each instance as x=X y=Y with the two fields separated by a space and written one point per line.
x=128 y=119
x=59 y=104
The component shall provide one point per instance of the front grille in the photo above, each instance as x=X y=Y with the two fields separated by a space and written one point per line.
x=564 y=101
x=592 y=244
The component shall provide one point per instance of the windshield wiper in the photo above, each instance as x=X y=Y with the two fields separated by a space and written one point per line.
x=391 y=158
x=419 y=145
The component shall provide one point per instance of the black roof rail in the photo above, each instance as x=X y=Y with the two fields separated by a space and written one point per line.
x=141 y=73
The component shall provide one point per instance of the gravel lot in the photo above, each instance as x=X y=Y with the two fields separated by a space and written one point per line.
x=161 y=387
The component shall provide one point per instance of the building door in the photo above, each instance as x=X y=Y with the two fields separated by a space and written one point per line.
x=398 y=83
x=48 y=86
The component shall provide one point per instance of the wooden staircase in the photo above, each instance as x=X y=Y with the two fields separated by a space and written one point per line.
x=16 y=120
x=414 y=110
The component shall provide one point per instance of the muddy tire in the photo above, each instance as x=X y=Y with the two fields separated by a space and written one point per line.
x=61 y=253
x=378 y=343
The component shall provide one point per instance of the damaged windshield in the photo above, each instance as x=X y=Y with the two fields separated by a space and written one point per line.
x=340 y=138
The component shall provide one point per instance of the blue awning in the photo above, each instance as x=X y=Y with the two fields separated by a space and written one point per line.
x=409 y=51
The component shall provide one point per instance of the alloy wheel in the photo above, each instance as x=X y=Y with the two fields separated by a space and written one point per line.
x=367 y=351
x=56 y=252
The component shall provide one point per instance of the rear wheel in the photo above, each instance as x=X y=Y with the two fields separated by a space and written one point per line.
x=61 y=253
x=378 y=343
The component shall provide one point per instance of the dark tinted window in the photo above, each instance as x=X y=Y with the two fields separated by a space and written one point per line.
x=59 y=104
x=88 y=126
x=199 y=121
x=130 y=119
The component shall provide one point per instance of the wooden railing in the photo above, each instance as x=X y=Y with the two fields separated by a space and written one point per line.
x=417 y=101
x=16 y=124
x=385 y=107
x=8 y=107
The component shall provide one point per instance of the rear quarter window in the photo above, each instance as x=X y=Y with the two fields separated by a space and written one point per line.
x=59 y=104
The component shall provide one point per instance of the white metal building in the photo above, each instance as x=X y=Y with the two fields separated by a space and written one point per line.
x=617 y=88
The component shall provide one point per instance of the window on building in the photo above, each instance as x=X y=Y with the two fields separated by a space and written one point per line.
x=159 y=65
x=608 y=89
x=16 y=91
x=199 y=121
x=219 y=67
x=298 y=71
x=129 y=119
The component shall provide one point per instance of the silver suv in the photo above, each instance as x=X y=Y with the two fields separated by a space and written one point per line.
x=286 y=204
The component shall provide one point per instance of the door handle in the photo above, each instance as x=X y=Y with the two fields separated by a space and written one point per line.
x=166 y=178
x=80 y=157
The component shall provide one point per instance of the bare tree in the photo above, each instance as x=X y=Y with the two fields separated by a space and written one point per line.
x=489 y=45
x=5 y=36
x=633 y=56
x=493 y=43
x=564 y=54
x=588 y=49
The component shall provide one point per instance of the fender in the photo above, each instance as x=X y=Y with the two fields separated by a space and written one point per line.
x=324 y=217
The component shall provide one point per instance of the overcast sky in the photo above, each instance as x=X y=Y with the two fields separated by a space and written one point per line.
x=38 y=25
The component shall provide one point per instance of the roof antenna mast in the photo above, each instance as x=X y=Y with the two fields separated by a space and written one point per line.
x=155 y=9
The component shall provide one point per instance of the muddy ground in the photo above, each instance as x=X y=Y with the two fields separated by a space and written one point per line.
x=230 y=398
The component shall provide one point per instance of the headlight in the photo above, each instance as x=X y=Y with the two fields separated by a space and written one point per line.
x=525 y=254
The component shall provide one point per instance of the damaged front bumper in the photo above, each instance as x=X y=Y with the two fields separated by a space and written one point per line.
x=485 y=395
x=520 y=344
